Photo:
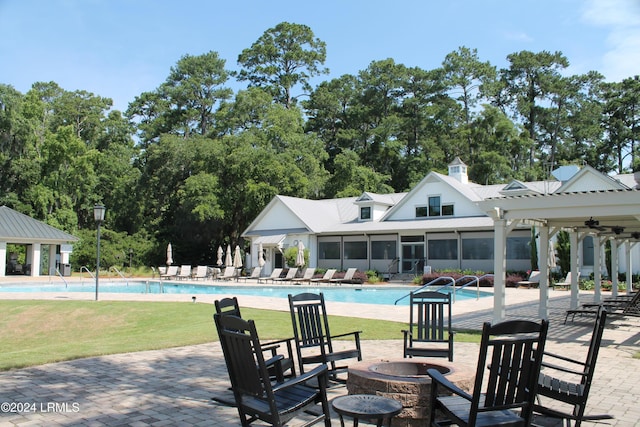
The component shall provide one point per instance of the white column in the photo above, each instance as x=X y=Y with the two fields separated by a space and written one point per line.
x=3 y=259
x=35 y=259
x=52 y=260
x=627 y=247
x=499 y=268
x=597 y=269
x=614 y=268
x=575 y=272
x=543 y=266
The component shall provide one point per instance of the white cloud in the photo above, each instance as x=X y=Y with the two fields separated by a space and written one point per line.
x=518 y=36
x=621 y=18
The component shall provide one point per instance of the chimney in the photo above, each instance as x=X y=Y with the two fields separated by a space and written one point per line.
x=458 y=171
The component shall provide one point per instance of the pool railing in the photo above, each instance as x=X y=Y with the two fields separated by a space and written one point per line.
x=453 y=285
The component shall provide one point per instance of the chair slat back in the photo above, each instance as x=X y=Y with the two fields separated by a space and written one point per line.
x=228 y=306
x=510 y=357
x=247 y=370
x=310 y=324
x=430 y=315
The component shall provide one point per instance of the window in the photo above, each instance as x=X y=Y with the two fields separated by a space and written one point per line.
x=365 y=212
x=447 y=210
x=383 y=249
x=355 y=250
x=518 y=248
x=412 y=238
x=421 y=211
x=477 y=248
x=434 y=206
x=443 y=249
x=329 y=250
x=587 y=251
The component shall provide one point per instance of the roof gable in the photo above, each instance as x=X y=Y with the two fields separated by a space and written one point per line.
x=433 y=179
x=589 y=179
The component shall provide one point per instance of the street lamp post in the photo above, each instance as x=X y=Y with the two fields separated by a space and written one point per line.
x=98 y=215
x=130 y=261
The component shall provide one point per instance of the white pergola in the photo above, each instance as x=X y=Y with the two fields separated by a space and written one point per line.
x=617 y=213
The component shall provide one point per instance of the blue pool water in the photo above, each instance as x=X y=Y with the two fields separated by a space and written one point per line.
x=359 y=294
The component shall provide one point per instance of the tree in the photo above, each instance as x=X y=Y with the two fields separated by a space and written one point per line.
x=527 y=84
x=283 y=57
x=185 y=102
x=464 y=73
x=621 y=119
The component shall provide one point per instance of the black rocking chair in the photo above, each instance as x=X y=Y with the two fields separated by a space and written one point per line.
x=313 y=339
x=256 y=396
x=510 y=356
x=231 y=306
x=574 y=394
x=429 y=332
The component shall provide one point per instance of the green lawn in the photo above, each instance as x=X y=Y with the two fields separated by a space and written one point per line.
x=38 y=332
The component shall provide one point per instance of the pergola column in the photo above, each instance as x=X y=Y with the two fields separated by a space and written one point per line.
x=597 y=270
x=575 y=273
x=614 y=268
x=543 y=266
x=499 y=268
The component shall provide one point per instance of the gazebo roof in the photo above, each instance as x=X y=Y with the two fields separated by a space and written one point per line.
x=16 y=227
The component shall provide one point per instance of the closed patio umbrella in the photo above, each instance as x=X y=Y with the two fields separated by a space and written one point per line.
x=220 y=253
x=228 y=261
x=237 y=258
x=169 y=254
x=552 y=262
x=300 y=255
x=261 y=261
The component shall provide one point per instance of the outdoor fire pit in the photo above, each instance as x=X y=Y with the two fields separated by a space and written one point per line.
x=406 y=380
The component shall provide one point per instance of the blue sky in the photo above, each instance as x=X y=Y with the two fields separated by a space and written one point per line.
x=121 y=48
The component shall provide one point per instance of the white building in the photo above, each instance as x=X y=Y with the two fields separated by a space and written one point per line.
x=448 y=222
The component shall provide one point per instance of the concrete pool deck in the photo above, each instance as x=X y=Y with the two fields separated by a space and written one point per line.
x=174 y=386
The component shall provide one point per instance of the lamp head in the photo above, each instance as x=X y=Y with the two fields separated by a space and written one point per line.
x=98 y=213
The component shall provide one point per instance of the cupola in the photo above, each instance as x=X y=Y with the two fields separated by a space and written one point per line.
x=458 y=171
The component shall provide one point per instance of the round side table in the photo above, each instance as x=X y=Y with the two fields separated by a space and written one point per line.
x=366 y=407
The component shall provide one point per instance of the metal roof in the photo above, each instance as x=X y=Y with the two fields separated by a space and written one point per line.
x=16 y=227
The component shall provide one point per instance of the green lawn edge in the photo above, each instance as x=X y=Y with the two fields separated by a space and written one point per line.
x=36 y=332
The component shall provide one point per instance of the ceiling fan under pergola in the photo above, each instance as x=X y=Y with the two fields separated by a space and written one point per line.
x=616 y=230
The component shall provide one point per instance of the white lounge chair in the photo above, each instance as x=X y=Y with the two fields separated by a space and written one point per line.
x=274 y=275
x=565 y=284
x=172 y=272
x=328 y=275
x=201 y=272
x=306 y=276
x=255 y=274
x=228 y=273
x=533 y=280
x=291 y=274
x=348 y=276
x=185 y=272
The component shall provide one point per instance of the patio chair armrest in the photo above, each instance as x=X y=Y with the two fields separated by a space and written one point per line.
x=440 y=379
x=354 y=333
x=562 y=369
x=272 y=361
x=282 y=341
x=560 y=357
x=319 y=372
x=273 y=345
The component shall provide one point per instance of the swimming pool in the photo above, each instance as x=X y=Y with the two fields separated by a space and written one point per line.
x=385 y=294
